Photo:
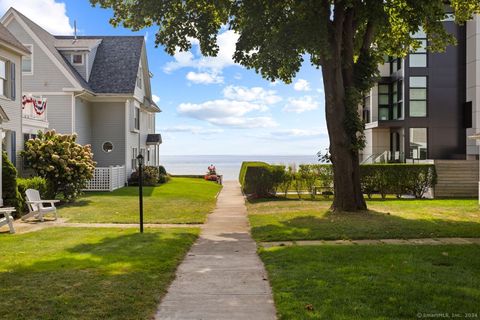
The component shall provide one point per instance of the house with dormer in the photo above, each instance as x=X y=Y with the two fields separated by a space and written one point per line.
x=95 y=86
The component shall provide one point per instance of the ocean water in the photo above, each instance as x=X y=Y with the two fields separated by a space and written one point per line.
x=227 y=165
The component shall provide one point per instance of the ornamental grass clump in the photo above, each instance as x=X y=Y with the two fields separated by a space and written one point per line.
x=66 y=165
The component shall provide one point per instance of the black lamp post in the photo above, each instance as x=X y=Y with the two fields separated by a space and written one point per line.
x=140 y=189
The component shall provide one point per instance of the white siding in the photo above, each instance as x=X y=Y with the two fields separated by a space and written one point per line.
x=83 y=121
x=108 y=124
x=46 y=75
x=13 y=108
x=59 y=112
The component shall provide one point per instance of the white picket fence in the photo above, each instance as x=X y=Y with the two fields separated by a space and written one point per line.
x=107 y=179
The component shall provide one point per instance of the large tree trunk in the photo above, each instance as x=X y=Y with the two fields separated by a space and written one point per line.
x=346 y=168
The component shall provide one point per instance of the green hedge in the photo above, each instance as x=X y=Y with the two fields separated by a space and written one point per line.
x=397 y=179
x=249 y=164
x=263 y=180
x=10 y=194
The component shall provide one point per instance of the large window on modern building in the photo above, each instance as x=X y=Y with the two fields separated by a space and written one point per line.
x=418 y=143
x=383 y=101
x=418 y=56
x=397 y=100
x=418 y=96
x=27 y=61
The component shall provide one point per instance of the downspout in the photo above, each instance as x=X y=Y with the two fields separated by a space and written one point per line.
x=74 y=103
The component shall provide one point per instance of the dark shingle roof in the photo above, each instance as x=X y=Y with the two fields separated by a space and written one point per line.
x=10 y=39
x=116 y=63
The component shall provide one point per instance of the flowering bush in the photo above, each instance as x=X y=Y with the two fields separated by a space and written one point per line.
x=65 y=164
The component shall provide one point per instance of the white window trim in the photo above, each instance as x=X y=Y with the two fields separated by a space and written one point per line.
x=139 y=119
x=78 y=54
x=5 y=80
x=30 y=48
x=103 y=149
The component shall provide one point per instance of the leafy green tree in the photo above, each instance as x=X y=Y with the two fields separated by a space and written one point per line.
x=347 y=39
x=65 y=164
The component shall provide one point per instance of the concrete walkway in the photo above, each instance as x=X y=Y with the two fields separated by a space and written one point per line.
x=222 y=277
x=420 y=241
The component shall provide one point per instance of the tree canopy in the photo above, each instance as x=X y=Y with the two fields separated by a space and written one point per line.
x=347 y=39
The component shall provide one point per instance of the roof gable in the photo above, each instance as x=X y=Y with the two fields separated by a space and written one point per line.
x=9 y=39
x=47 y=42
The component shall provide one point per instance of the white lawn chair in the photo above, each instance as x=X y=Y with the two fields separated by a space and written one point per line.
x=7 y=213
x=35 y=205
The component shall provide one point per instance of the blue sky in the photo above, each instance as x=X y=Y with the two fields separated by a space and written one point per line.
x=210 y=105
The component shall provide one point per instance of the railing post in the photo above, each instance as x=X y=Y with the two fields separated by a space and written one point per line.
x=110 y=178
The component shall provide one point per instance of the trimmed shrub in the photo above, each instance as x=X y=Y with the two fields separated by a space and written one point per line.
x=150 y=177
x=249 y=164
x=262 y=181
x=37 y=183
x=161 y=170
x=11 y=196
x=398 y=179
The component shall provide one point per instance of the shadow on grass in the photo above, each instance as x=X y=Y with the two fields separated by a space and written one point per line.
x=118 y=277
x=363 y=225
x=374 y=282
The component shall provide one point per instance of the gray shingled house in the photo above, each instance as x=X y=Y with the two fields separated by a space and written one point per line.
x=95 y=86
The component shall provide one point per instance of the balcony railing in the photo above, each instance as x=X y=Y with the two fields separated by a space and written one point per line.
x=28 y=112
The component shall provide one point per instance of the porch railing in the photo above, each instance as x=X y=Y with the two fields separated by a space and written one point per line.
x=107 y=179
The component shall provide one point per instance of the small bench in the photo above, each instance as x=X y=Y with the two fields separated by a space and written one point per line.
x=8 y=219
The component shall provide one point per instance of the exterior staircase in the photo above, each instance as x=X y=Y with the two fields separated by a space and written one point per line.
x=457 y=178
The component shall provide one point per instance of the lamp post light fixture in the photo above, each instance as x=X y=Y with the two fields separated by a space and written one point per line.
x=140 y=189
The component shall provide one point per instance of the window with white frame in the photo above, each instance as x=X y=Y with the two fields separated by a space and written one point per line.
x=27 y=61
x=77 y=58
x=136 y=118
x=3 y=78
x=140 y=78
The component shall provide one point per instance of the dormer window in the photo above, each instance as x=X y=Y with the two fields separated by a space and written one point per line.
x=77 y=58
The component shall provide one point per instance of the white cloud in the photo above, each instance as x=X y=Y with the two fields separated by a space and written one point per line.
x=302 y=85
x=231 y=113
x=49 y=14
x=255 y=94
x=193 y=130
x=155 y=98
x=204 y=77
x=226 y=41
x=296 y=134
x=299 y=105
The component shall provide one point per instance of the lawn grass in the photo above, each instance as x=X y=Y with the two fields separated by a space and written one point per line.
x=374 y=282
x=88 y=273
x=277 y=220
x=182 y=200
